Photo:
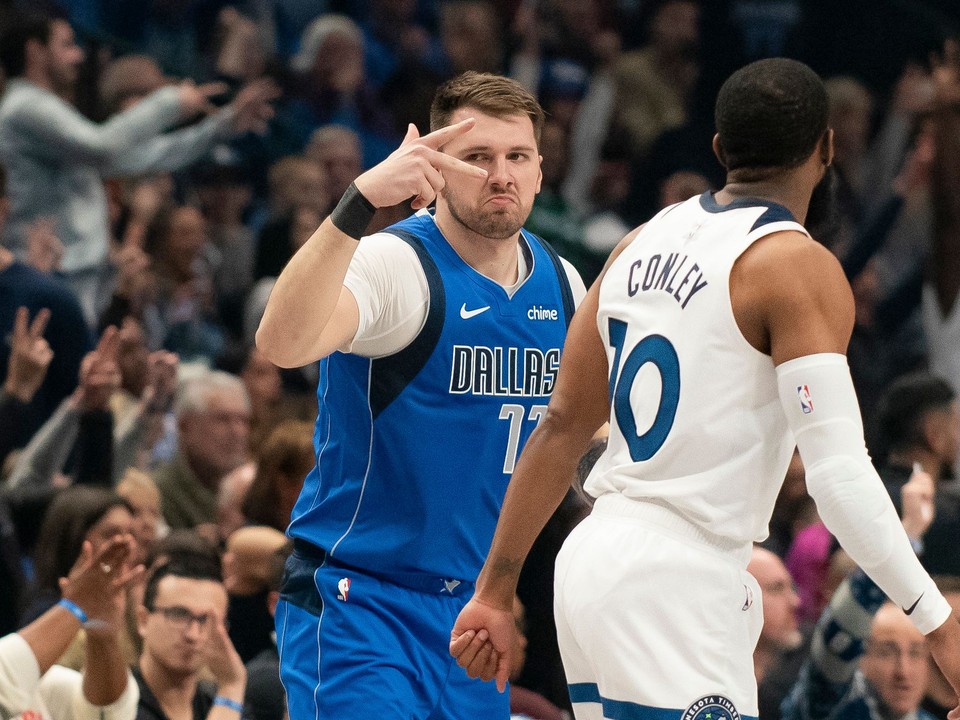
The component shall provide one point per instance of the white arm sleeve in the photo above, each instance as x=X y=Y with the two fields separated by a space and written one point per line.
x=821 y=407
x=387 y=281
x=577 y=288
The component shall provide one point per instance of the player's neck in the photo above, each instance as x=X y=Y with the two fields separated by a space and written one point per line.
x=491 y=257
x=789 y=188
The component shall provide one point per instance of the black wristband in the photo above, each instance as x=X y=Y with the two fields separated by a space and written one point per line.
x=353 y=213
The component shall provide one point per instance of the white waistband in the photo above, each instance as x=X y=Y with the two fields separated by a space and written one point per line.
x=659 y=516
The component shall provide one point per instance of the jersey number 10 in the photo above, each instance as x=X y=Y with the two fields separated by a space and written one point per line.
x=654 y=349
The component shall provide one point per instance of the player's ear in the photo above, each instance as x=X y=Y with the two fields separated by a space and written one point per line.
x=826 y=147
x=539 y=171
x=718 y=149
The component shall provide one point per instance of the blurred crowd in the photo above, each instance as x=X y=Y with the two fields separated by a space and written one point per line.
x=161 y=161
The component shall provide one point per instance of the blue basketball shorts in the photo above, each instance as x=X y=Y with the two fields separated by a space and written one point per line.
x=357 y=646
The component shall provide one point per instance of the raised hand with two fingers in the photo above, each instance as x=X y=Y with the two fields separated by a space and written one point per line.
x=415 y=169
x=30 y=354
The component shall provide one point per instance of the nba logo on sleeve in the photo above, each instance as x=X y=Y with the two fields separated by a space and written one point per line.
x=806 y=400
x=343 y=588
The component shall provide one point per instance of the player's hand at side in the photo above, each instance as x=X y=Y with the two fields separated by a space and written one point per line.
x=483 y=641
x=416 y=169
x=944 y=645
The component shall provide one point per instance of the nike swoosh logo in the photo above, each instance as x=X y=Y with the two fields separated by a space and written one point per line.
x=467 y=314
x=912 y=607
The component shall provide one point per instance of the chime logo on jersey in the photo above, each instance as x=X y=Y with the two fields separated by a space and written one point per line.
x=806 y=399
x=711 y=707
x=344 y=589
x=539 y=312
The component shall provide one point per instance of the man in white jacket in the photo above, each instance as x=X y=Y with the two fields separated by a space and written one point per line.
x=56 y=158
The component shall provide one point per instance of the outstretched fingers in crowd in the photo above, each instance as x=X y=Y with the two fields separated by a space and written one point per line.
x=100 y=577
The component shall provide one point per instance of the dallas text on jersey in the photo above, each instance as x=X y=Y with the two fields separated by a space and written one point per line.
x=520 y=372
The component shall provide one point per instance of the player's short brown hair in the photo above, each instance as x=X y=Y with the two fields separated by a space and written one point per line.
x=490 y=94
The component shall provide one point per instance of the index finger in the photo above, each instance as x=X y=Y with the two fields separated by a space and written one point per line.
x=107 y=346
x=20 y=322
x=461 y=643
x=213 y=88
x=438 y=138
x=39 y=323
x=444 y=162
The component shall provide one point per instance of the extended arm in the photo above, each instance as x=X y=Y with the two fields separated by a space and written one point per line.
x=809 y=325
x=547 y=466
x=250 y=110
x=58 y=131
x=29 y=359
x=48 y=449
x=310 y=314
x=173 y=150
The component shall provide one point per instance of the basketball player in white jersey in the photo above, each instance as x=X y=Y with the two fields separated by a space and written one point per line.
x=714 y=342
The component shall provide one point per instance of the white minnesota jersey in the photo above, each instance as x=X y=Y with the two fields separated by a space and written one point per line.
x=696 y=421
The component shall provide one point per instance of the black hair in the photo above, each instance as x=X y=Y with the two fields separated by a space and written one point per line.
x=187 y=565
x=14 y=39
x=904 y=406
x=770 y=114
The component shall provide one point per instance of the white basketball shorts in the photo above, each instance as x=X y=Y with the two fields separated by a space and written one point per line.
x=656 y=619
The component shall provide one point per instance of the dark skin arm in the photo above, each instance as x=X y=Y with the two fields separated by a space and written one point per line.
x=781 y=312
x=482 y=639
x=778 y=312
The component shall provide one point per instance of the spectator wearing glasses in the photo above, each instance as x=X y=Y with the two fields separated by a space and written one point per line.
x=182 y=625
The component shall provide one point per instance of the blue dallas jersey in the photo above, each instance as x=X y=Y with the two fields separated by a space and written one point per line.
x=415 y=450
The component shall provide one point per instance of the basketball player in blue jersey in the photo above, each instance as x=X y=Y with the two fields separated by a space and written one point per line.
x=440 y=340
x=713 y=342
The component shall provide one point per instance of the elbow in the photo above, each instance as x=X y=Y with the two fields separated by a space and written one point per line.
x=565 y=429
x=274 y=349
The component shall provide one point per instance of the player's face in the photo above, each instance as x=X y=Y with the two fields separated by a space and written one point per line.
x=895 y=663
x=495 y=207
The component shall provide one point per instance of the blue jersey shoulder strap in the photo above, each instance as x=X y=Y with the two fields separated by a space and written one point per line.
x=391 y=374
x=569 y=306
